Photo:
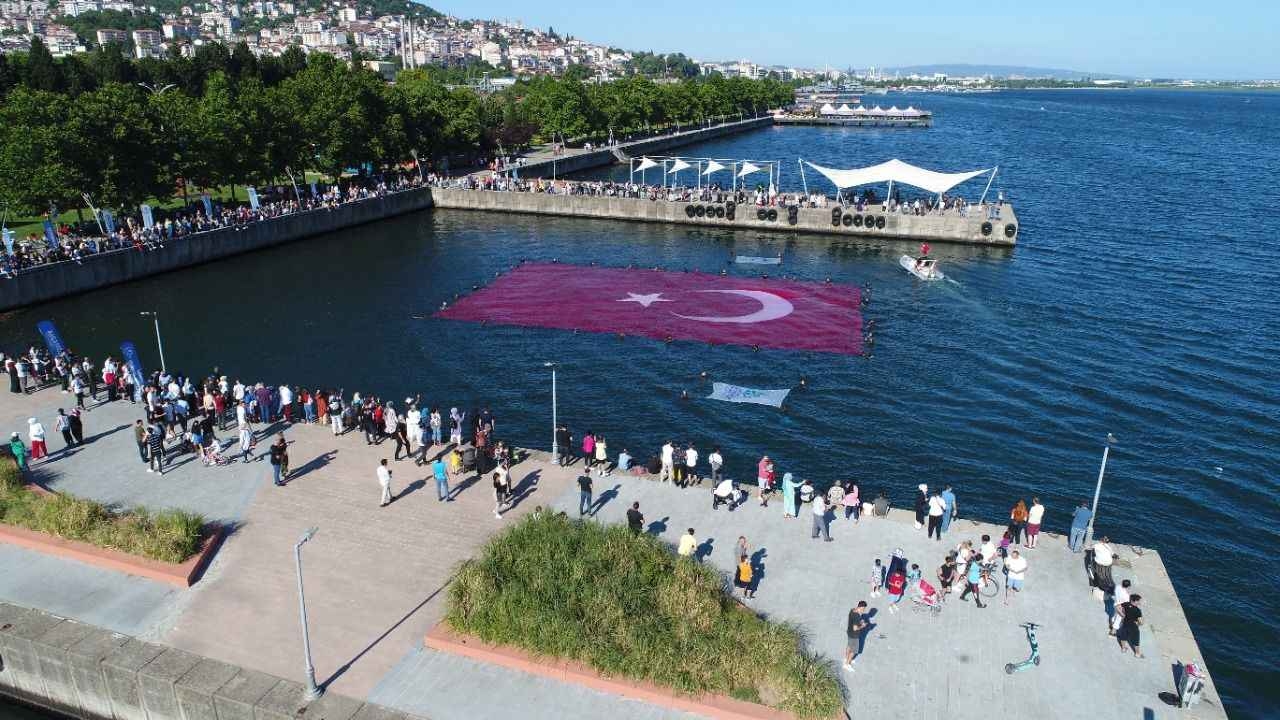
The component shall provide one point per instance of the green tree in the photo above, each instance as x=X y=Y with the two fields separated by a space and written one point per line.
x=119 y=153
x=37 y=149
x=42 y=71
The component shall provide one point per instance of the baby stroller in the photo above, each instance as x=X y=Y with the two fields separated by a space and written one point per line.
x=925 y=598
x=213 y=455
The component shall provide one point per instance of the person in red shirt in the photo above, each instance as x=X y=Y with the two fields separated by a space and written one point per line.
x=764 y=477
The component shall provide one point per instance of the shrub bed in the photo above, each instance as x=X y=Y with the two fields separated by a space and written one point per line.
x=628 y=607
x=170 y=536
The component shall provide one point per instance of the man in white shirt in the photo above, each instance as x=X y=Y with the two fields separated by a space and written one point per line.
x=725 y=492
x=1035 y=515
x=717 y=461
x=668 y=461
x=820 y=518
x=237 y=390
x=286 y=403
x=937 y=506
x=690 y=462
x=413 y=423
x=384 y=479
x=1016 y=568
x=988 y=550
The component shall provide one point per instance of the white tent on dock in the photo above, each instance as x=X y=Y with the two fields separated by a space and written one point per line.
x=900 y=172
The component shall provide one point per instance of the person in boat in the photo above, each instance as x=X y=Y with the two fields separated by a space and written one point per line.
x=924 y=255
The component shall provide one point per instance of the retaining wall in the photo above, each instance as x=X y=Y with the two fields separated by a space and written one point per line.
x=44 y=283
x=933 y=228
x=86 y=672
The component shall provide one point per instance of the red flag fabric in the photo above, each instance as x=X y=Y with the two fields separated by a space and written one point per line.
x=665 y=305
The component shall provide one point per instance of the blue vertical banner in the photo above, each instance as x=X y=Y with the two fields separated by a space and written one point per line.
x=253 y=198
x=109 y=222
x=148 y=220
x=129 y=352
x=314 y=193
x=52 y=339
x=8 y=240
x=208 y=205
x=50 y=234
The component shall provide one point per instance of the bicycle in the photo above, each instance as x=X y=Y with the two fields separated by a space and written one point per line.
x=988 y=585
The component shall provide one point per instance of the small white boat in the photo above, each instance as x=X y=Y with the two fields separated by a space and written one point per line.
x=926 y=268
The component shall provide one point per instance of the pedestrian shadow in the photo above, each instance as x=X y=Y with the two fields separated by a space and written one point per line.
x=312 y=465
x=757 y=567
x=657 y=527
x=704 y=549
x=410 y=489
x=604 y=499
x=105 y=433
x=526 y=487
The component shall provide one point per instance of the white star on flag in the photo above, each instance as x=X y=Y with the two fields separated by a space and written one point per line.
x=645 y=300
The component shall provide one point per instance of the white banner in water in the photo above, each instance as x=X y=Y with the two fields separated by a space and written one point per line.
x=752 y=260
x=739 y=394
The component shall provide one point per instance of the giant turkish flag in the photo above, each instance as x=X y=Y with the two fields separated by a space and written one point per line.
x=671 y=305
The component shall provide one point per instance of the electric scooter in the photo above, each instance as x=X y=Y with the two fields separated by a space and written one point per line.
x=1033 y=659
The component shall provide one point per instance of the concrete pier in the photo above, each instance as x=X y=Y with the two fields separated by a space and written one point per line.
x=871 y=223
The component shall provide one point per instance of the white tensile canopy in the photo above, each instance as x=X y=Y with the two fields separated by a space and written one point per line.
x=677 y=166
x=747 y=168
x=859 y=110
x=896 y=171
x=844 y=110
x=827 y=109
x=911 y=112
x=712 y=166
x=645 y=164
x=877 y=110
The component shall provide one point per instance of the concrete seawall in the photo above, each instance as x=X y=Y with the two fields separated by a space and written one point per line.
x=48 y=282
x=933 y=228
x=86 y=672
x=605 y=156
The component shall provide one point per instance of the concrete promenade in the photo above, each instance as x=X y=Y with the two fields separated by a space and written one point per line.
x=376 y=580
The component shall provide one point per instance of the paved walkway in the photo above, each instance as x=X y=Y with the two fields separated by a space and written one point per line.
x=376 y=581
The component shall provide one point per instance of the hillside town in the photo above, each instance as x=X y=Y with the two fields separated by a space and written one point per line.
x=385 y=33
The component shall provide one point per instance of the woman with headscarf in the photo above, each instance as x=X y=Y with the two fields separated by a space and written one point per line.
x=922 y=504
x=789 y=487
x=455 y=425
x=19 y=451
x=35 y=433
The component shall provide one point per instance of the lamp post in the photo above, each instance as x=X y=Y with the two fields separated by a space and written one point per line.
x=1106 y=450
x=555 y=424
x=155 y=317
x=313 y=691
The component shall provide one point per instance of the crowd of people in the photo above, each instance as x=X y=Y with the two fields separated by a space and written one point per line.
x=75 y=244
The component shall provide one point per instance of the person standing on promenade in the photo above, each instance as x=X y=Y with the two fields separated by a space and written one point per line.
x=764 y=478
x=602 y=456
x=1119 y=599
x=1129 y=634
x=246 y=437
x=790 y=509
x=384 y=480
x=668 y=462
x=308 y=402
x=35 y=435
x=820 y=519
x=501 y=493
x=1035 y=515
x=691 y=466
x=277 y=453
x=877 y=578
x=62 y=424
x=948 y=497
x=1079 y=524
x=19 y=451
x=688 y=543
x=741 y=550
x=286 y=403
x=716 y=461
x=1016 y=569
x=1017 y=521
x=973 y=576
x=855 y=634
x=442 y=479
x=155 y=449
x=947 y=576
x=635 y=519
x=922 y=504
x=563 y=444
x=588 y=451
x=585 y=498
x=76 y=419
x=413 y=423
x=435 y=422
x=852 y=503
x=334 y=407
x=937 y=508
x=140 y=437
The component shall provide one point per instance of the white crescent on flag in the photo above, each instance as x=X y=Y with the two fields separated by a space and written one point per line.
x=772 y=307
x=712 y=166
x=645 y=164
x=678 y=166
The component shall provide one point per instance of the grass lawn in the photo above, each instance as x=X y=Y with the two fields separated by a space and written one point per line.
x=168 y=536
x=628 y=606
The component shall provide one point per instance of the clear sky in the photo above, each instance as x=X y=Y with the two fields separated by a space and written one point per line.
x=1143 y=38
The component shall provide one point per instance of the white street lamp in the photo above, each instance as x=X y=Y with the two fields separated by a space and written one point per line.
x=555 y=425
x=1106 y=450
x=313 y=691
x=155 y=316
